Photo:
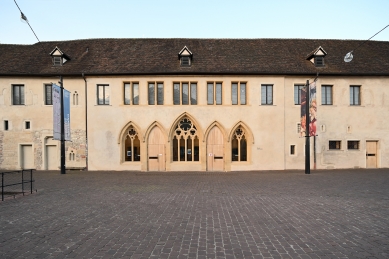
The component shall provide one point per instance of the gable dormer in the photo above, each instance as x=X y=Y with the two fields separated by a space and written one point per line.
x=185 y=57
x=59 y=58
x=317 y=57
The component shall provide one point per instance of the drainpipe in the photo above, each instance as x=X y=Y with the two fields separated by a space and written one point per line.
x=86 y=121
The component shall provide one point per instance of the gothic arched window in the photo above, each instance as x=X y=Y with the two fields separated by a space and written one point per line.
x=185 y=141
x=239 y=145
x=132 y=145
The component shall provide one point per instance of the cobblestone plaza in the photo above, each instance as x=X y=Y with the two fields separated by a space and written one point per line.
x=267 y=214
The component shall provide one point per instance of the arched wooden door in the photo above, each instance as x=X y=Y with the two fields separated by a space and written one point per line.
x=215 y=150
x=156 y=150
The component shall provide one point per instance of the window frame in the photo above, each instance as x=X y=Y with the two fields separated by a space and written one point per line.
x=298 y=87
x=192 y=88
x=354 y=102
x=265 y=101
x=155 y=100
x=239 y=95
x=48 y=96
x=334 y=145
x=215 y=96
x=351 y=145
x=106 y=89
x=21 y=95
x=324 y=95
x=131 y=97
x=185 y=61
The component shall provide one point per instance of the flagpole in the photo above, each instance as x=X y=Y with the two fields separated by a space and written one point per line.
x=307 y=143
x=63 y=170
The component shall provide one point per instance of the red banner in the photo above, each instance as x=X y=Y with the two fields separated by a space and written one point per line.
x=312 y=110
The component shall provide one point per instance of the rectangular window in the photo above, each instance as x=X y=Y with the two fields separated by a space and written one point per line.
x=103 y=94
x=334 y=144
x=6 y=126
x=355 y=95
x=27 y=125
x=131 y=93
x=238 y=93
x=48 y=95
x=214 y=93
x=267 y=94
x=353 y=144
x=18 y=94
x=185 y=93
x=155 y=95
x=326 y=94
x=292 y=149
x=297 y=94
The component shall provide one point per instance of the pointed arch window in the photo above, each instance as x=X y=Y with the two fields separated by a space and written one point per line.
x=185 y=142
x=239 y=145
x=132 y=145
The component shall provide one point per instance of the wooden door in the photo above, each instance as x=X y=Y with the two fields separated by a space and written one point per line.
x=371 y=154
x=27 y=157
x=51 y=157
x=156 y=150
x=215 y=150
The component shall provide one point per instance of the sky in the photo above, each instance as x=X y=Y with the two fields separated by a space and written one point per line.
x=55 y=20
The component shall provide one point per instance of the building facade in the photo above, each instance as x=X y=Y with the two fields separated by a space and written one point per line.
x=195 y=104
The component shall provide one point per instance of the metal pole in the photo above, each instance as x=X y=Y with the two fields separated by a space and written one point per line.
x=63 y=171
x=31 y=179
x=314 y=152
x=2 y=186
x=23 y=182
x=307 y=143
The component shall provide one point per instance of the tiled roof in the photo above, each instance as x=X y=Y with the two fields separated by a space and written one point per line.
x=210 y=56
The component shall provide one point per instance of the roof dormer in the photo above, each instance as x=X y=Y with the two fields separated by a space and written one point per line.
x=185 y=57
x=59 y=57
x=317 y=57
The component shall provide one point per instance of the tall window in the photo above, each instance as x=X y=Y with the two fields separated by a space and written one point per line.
x=18 y=94
x=131 y=93
x=355 y=95
x=297 y=94
x=238 y=93
x=185 y=142
x=214 y=93
x=103 y=94
x=132 y=145
x=48 y=95
x=267 y=94
x=185 y=93
x=155 y=94
x=239 y=145
x=326 y=94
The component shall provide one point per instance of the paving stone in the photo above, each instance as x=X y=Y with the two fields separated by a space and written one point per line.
x=269 y=214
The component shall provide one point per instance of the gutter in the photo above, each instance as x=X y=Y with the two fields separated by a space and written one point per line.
x=86 y=121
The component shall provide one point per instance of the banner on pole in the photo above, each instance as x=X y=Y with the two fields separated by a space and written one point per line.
x=66 y=109
x=56 y=93
x=312 y=110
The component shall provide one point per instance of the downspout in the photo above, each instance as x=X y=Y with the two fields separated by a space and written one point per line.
x=86 y=121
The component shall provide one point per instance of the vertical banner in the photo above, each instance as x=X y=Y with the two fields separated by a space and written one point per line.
x=303 y=121
x=56 y=94
x=312 y=109
x=66 y=109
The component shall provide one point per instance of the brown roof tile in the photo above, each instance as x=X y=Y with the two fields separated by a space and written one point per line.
x=210 y=56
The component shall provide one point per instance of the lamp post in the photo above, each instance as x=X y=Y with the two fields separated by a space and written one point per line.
x=307 y=141
x=62 y=122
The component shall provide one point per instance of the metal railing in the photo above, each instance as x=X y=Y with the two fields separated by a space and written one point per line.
x=17 y=182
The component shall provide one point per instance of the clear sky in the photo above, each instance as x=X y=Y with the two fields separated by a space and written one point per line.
x=54 y=20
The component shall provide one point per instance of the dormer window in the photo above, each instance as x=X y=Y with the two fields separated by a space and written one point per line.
x=317 y=57
x=59 y=58
x=185 y=57
x=319 y=61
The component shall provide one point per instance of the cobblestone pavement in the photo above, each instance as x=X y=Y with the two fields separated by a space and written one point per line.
x=271 y=214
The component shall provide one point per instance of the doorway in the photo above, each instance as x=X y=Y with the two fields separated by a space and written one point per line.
x=215 y=150
x=371 y=154
x=156 y=150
